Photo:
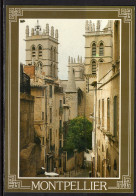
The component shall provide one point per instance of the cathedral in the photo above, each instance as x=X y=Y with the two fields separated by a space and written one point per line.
x=84 y=94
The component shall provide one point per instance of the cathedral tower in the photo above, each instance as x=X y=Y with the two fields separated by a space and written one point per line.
x=71 y=94
x=98 y=49
x=42 y=50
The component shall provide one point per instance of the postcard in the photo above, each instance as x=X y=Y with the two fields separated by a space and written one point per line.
x=69 y=104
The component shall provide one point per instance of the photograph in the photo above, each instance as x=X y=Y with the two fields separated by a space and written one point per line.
x=69 y=97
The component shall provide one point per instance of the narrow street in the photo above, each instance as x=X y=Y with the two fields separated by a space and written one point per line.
x=78 y=173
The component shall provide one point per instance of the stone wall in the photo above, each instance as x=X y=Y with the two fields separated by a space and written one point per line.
x=70 y=165
x=29 y=150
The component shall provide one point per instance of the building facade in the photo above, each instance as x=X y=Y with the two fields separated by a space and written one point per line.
x=92 y=90
x=106 y=111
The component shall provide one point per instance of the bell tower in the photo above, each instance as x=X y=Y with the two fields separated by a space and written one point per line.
x=42 y=50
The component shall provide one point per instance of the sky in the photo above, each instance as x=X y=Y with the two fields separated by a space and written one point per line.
x=71 y=39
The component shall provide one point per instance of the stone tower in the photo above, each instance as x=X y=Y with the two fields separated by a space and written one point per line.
x=78 y=67
x=98 y=49
x=42 y=50
x=71 y=94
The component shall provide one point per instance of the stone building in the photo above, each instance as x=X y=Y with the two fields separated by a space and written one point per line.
x=92 y=90
x=77 y=84
x=29 y=146
x=42 y=67
x=106 y=109
x=98 y=48
x=42 y=50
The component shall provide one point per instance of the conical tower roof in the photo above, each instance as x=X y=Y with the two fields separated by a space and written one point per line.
x=71 y=85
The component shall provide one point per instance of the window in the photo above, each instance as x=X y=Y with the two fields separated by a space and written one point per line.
x=93 y=49
x=40 y=51
x=50 y=115
x=50 y=135
x=115 y=116
x=93 y=67
x=102 y=112
x=108 y=114
x=101 y=49
x=60 y=123
x=42 y=115
x=60 y=103
x=50 y=89
x=115 y=164
x=33 y=51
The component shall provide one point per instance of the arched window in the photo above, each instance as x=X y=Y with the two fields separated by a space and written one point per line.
x=33 y=51
x=101 y=49
x=93 y=49
x=40 y=51
x=93 y=67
